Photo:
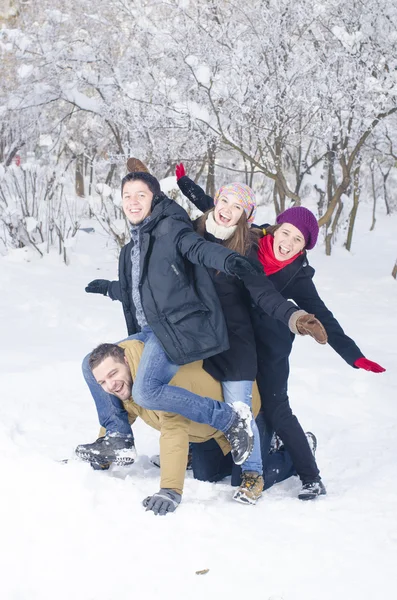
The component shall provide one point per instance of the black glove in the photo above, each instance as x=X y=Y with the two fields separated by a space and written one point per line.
x=165 y=501
x=98 y=286
x=241 y=265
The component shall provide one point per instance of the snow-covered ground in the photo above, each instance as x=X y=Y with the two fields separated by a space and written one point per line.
x=69 y=532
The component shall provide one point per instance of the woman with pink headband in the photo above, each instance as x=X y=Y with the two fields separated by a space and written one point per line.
x=228 y=223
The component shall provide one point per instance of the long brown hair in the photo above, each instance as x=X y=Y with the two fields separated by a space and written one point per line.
x=242 y=240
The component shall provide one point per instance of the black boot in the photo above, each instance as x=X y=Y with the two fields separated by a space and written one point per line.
x=312 y=490
x=112 y=448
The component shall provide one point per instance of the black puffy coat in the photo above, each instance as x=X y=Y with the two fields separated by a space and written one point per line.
x=178 y=296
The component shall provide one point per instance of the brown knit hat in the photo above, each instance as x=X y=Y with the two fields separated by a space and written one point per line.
x=134 y=165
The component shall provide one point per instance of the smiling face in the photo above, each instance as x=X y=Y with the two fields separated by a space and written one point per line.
x=228 y=210
x=114 y=377
x=137 y=201
x=288 y=241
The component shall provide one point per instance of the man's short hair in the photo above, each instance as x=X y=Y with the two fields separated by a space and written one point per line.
x=147 y=178
x=102 y=351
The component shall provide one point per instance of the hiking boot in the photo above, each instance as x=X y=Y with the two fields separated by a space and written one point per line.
x=240 y=435
x=312 y=490
x=312 y=441
x=112 y=448
x=251 y=488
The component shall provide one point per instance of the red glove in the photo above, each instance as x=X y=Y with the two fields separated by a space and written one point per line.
x=180 y=171
x=368 y=365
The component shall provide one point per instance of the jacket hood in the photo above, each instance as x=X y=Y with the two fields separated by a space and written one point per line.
x=163 y=207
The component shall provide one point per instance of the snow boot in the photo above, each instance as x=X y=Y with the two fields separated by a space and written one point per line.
x=240 y=435
x=112 y=448
x=250 y=489
x=312 y=490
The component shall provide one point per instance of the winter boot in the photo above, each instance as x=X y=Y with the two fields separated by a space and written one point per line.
x=112 y=448
x=240 y=435
x=312 y=490
x=251 y=488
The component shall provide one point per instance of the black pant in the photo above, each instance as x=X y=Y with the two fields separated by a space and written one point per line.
x=209 y=463
x=274 y=345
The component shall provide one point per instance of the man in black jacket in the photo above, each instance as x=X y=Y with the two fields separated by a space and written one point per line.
x=170 y=304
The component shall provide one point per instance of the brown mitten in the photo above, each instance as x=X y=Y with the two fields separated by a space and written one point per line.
x=303 y=323
x=134 y=165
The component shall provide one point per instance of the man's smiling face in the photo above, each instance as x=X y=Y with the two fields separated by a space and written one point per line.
x=114 y=377
x=137 y=201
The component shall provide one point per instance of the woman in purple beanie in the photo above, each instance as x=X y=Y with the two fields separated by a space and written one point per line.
x=282 y=253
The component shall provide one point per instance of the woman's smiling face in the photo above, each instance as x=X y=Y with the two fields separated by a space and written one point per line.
x=228 y=210
x=288 y=241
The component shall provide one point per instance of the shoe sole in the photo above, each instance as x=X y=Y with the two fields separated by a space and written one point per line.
x=305 y=497
x=238 y=497
x=120 y=461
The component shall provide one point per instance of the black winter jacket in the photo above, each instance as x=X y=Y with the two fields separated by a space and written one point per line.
x=177 y=293
x=295 y=282
x=239 y=362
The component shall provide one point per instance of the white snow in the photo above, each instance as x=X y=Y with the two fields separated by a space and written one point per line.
x=69 y=532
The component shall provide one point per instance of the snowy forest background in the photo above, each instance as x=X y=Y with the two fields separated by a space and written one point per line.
x=297 y=99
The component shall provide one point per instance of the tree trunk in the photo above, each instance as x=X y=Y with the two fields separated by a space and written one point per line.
x=210 y=185
x=374 y=198
x=385 y=194
x=79 y=182
x=275 y=201
x=353 y=214
x=328 y=237
x=394 y=272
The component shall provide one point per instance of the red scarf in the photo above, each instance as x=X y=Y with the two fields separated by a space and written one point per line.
x=266 y=256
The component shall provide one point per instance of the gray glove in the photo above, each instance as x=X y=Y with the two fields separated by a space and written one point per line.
x=165 y=501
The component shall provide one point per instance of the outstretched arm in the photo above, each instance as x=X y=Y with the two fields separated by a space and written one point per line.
x=306 y=295
x=265 y=295
x=105 y=287
x=192 y=191
x=213 y=256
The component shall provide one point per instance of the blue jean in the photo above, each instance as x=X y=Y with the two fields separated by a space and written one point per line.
x=150 y=390
x=234 y=391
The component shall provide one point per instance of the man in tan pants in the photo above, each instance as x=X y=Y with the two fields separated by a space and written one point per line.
x=114 y=367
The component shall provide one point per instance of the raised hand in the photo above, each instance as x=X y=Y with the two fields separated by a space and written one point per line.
x=180 y=171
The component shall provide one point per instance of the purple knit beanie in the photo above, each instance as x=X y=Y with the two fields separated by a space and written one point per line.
x=304 y=220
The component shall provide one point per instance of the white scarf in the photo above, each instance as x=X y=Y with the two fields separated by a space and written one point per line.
x=218 y=231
